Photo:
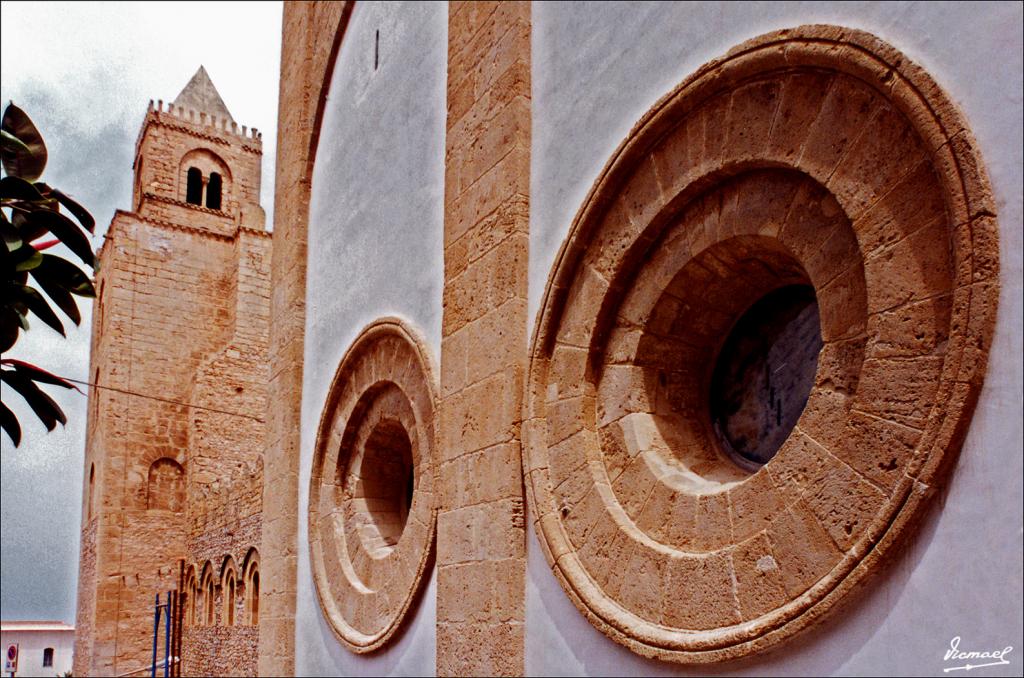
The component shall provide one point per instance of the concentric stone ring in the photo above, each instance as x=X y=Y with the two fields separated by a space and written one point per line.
x=817 y=158
x=372 y=512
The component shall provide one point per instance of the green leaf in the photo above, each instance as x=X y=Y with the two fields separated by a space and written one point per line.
x=12 y=143
x=69 y=232
x=26 y=251
x=31 y=259
x=16 y=188
x=12 y=239
x=37 y=304
x=62 y=272
x=10 y=424
x=43 y=405
x=60 y=296
x=27 y=164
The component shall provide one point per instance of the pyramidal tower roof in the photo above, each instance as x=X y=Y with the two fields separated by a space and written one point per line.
x=201 y=95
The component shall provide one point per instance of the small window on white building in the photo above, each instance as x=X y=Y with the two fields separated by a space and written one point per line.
x=48 y=657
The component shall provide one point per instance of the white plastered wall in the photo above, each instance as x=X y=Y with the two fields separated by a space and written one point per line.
x=375 y=249
x=597 y=67
x=32 y=644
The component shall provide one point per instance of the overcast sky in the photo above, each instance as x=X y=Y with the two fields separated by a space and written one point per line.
x=85 y=72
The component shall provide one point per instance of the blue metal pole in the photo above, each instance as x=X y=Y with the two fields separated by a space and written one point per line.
x=156 y=630
x=167 y=636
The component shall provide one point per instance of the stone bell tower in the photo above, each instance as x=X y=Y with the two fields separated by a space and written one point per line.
x=177 y=358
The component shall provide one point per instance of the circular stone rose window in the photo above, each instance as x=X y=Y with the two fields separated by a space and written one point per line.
x=760 y=346
x=371 y=506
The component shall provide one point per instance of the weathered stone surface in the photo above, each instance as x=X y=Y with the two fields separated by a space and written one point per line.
x=487 y=176
x=889 y=225
x=180 y=331
x=311 y=34
x=372 y=495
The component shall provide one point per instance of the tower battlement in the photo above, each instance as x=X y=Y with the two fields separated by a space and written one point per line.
x=195 y=163
x=220 y=124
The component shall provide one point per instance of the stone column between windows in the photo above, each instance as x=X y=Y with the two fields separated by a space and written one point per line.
x=481 y=553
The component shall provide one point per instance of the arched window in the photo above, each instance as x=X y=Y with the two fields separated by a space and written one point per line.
x=210 y=595
x=203 y=178
x=166 y=487
x=194 y=189
x=251 y=590
x=48 y=657
x=254 y=599
x=92 y=487
x=229 y=601
x=208 y=591
x=228 y=585
x=138 y=182
x=213 y=189
x=188 y=601
x=94 y=394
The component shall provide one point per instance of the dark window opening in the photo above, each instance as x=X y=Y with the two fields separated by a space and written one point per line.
x=254 y=613
x=138 y=183
x=92 y=485
x=209 y=601
x=229 y=601
x=48 y=657
x=376 y=49
x=764 y=374
x=194 y=188
x=213 y=191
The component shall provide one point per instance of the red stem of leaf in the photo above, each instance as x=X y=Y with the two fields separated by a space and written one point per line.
x=46 y=244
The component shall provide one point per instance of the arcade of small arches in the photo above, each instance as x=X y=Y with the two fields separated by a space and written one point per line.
x=223 y=596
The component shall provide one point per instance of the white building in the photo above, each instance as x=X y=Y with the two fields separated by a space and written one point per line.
x=45 y=648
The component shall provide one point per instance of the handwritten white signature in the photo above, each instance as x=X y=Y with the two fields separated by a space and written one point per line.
x=995 y=657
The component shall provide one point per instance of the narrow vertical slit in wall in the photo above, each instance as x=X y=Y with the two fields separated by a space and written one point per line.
x=376 y=49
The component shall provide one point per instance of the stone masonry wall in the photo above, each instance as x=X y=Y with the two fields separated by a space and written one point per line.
x=158 y=283
x=166 y=139
x=230 y=385
x=86 y=599
x=225 y=523
x=481 y=550
x=225 y=496
x=179 y=357
x=219 y=651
